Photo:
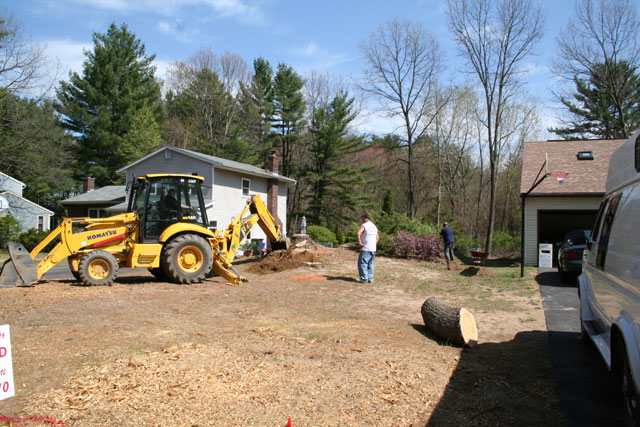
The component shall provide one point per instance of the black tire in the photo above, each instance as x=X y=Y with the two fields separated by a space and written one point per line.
x=630 y=395
x=98 y=268
x=73 y=272
x=187 y=259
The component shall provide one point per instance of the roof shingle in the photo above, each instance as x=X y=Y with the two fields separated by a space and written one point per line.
x=586 y=177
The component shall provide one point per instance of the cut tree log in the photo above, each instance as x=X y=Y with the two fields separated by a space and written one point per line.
x=451 y=323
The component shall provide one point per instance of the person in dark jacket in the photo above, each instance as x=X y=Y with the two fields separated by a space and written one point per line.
x=447 y=237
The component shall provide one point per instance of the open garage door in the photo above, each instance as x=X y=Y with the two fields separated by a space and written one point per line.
x=552 y=225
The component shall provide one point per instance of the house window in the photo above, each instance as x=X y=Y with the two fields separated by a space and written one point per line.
x=246 y=185
x=167 y=154
x=3 y=203
x=40 y=223
x=97 y=213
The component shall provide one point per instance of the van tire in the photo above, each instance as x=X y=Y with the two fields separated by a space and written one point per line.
x=630 y=394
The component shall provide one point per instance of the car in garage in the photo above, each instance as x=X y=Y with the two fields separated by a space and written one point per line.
x=570 y=254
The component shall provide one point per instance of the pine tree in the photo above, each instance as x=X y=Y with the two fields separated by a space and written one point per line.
x=335 y=184
x=606 y=106
x=288 y=114
x=102 y=106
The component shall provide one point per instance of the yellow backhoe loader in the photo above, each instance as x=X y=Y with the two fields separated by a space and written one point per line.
x=164 y=230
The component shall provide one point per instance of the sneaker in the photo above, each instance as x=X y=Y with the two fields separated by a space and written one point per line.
x=361 y=280
x=370 y=281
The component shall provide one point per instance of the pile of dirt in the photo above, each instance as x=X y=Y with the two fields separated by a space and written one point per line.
x=284 y=260
x=477 y=271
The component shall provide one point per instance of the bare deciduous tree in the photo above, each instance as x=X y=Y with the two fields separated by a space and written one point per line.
x=602 y=34
x=402 y=64
x=22 y=62
x=495 y=36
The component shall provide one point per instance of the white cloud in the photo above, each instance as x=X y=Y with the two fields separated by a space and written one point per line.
x=68 y=53
x=317 y=58
x=248 y=11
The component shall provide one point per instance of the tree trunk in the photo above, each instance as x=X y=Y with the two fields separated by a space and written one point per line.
x=454 y=324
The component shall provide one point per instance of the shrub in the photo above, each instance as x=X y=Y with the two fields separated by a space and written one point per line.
x=9 y=230
x=30 y=239
x=427 y=248
x=502 y=240
x=392 y=223
x=322 y=234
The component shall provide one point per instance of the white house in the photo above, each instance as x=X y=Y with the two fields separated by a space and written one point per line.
x=227 y=184
x=562 y=185
x=29 y=214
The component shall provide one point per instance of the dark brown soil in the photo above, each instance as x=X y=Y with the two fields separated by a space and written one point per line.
x=283 y=260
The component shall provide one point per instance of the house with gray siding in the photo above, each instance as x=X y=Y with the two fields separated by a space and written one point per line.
x=95 y=202
x=227 y=184
x=29 y=214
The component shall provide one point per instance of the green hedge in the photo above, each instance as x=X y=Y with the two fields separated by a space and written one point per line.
x=322 y=234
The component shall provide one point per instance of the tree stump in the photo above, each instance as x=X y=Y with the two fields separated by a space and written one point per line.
x=452 y=323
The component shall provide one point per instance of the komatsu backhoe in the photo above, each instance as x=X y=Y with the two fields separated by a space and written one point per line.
x=164 y=230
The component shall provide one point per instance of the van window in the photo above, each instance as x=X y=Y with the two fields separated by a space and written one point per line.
x=638 y=154
x=603 y=242
x=595 y=233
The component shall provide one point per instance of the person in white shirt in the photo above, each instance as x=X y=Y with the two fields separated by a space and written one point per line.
x=367 y=238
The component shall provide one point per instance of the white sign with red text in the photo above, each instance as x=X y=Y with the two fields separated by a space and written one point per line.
x=6 y=366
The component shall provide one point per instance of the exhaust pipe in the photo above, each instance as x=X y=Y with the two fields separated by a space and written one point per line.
x=19 y=269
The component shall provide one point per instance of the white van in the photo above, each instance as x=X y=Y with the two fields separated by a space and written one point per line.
x=609 y=286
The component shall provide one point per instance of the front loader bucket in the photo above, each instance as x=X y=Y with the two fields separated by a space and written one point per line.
x=19 y=269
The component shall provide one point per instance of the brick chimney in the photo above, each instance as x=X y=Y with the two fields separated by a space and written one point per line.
x=88 y=184
x=272 y=188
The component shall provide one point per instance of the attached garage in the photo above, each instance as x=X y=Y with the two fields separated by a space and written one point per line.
x=562 y=185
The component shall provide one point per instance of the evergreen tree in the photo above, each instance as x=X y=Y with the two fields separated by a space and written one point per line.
x=103 y=105
x=335 y=184
x=387 y=202
x=257 y=110
x=35 y=149
x=606 y=106
x=288 y=114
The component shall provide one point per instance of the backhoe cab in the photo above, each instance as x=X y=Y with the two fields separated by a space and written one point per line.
x=164 y=230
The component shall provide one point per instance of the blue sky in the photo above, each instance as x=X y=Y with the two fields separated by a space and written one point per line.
x=308 y=35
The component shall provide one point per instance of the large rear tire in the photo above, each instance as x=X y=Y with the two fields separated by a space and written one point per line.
x=187 y=259
x=98 y=268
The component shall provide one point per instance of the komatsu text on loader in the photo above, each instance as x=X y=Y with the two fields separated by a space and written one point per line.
x=164 y=230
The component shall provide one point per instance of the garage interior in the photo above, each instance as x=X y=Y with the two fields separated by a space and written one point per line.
x=553 y=224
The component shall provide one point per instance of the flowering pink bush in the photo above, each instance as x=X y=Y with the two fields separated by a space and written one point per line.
x=427 y=248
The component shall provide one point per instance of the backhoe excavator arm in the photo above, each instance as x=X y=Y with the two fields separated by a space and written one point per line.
x=228 y=242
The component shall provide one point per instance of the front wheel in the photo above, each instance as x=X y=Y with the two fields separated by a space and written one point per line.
x=187 y=259
x=630 y=396
x=98 y=268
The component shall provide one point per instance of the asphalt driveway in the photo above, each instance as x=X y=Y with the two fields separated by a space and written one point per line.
x=588 y=393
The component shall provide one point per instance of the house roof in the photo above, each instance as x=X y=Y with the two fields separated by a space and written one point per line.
x=108 y=194
x=216 y=162
x=12 y=178
x=585 y=177
x=6 y=193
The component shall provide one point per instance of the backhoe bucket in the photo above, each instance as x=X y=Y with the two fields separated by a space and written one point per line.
x=278 y=245
x=19 y=269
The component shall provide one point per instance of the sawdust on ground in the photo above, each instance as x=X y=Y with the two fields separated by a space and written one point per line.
x=329 y=352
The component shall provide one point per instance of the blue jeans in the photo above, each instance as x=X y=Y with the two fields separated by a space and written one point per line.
x=365 y=265
x=448 y=252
